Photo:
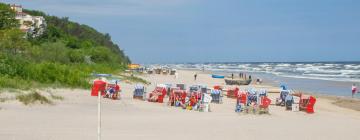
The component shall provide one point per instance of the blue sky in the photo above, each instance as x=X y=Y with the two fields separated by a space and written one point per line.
x=168 y=31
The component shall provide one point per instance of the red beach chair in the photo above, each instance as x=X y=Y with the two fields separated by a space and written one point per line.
x=264 y=102
x=217 y=87
x=98 y=85
x=157 y=95
x=232 y=92
x=307 y=103
x=177 y=95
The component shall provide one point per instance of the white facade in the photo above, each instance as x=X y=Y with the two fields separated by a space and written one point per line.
x=33 y=25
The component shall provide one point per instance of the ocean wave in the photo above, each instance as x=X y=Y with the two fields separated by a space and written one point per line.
x=324 y=71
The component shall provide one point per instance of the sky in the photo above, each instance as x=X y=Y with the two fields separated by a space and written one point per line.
x=177 y=31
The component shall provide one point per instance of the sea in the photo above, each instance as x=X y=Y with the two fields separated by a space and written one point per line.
x=329 y=78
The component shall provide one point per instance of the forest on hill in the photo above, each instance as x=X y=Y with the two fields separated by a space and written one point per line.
x=65 y=55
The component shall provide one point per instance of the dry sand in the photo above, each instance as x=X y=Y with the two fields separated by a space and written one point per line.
x=75 y=118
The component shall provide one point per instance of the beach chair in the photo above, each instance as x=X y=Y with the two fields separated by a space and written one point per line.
x=181 y=86
x=205 y=102
x=232 y=92
x=112 y=90
x=307 y=103
x=216 y=96
x=217 y=87
x=139 y=92
x=192 y=103
x=158 y=94
x=289 y=102
x=281 y=100
x=168 y=89
x=264 y=105
x=194 y=88
x=98 y=85
x=177 y=97
x=241 y=101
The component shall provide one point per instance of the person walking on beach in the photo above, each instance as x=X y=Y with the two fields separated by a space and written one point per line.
x=195 y=76
x=232 y=75
x=176 y=75
x=353 y=90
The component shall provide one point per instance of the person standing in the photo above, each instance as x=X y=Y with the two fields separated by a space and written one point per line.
x=195 y=76
x=117 y=90
x=232 y=75
x=176 y=75
x=353 y=90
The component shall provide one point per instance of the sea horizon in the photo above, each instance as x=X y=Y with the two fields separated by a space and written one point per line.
x=328 y=78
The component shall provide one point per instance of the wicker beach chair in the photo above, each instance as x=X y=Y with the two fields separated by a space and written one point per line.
x=139 y=92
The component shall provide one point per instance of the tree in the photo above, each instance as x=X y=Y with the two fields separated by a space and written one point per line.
x=13 y=41
x=7 y=17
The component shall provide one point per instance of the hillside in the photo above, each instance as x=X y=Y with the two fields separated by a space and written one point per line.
x=64 y=55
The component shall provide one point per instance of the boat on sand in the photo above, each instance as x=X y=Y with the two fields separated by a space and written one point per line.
x=217 y=76
x=237 y=81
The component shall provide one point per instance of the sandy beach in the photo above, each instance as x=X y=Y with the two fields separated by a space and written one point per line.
x=75 y=118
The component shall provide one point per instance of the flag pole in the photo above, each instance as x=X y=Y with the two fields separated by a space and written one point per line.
x=99 y=116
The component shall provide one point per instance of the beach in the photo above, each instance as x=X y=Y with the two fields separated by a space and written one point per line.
x=75 y=117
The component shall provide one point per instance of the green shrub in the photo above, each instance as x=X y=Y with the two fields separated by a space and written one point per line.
x=65 y=55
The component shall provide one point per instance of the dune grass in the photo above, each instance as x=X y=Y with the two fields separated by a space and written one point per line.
x=56 y=97
x=2 y=100
x=134 y=79
x=32 y=98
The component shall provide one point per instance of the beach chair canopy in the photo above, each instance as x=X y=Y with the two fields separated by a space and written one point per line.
x=113 y=81
x=252 y=91
x=139 y=86
x=284 y=87
x=215 y=91
x=161 y=85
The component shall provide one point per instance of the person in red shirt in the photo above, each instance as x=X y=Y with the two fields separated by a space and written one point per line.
x=353 y=90
x=117 y=90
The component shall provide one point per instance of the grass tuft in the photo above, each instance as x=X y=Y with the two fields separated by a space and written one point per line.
x=32 y=98
x=134 y=79
x=56 y=97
